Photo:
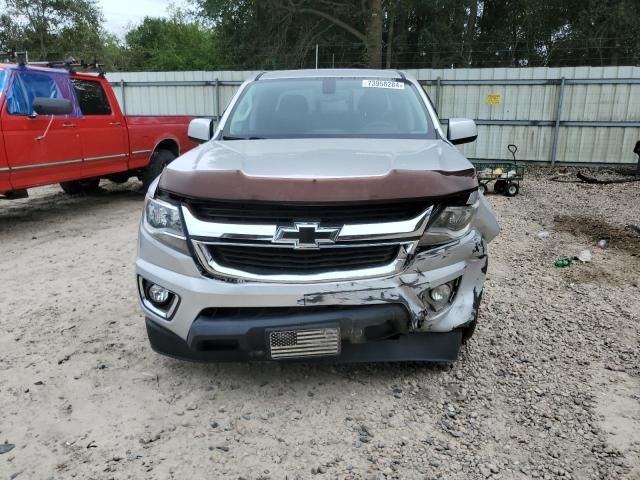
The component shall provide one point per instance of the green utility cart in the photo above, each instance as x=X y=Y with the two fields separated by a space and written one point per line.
x=505 y=176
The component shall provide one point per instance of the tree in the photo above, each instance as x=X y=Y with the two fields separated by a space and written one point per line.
x=364 y=21
x=600 y=33
x=48 y=28
x=423 y=33
x=177 y=43
x=290 y=28
x=276 y=34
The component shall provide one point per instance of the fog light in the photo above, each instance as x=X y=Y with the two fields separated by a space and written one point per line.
x=158 y=300
x=440 y=294
x=158 y=295
x=438 y=297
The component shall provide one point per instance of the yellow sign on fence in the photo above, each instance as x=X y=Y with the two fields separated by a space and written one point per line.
x=493 y=99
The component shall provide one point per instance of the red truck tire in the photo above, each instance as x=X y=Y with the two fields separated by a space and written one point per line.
x=159 y=160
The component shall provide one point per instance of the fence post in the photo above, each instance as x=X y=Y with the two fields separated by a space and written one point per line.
x=124 y=103
x=217 y=100
x=438 y=88
x=556 y=128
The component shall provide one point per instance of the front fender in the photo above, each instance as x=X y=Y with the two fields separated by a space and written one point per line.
x=484 y=221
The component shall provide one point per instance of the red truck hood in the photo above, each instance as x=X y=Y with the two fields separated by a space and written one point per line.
x=319 y=170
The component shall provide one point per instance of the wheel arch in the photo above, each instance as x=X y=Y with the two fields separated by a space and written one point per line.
x=168 y=143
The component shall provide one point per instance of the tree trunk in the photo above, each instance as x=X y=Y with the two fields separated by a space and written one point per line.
x=374 y=35
x=615 y=52
x=390 y=40
x=470 y=32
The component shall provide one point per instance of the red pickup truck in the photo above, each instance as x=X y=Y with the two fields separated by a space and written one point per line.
x=58 y=126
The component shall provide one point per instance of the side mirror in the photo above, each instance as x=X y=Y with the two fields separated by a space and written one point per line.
x=52 y=106
x=201 y=129
x=462 y=130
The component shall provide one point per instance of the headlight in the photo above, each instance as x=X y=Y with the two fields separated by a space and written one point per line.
x=451 y=224
x=164 y=216
x=454 y=219
x=163 y=222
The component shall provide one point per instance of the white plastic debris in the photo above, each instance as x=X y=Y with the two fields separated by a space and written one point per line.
x=584 y=256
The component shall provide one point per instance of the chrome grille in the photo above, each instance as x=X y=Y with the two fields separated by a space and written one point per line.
x=310 y=252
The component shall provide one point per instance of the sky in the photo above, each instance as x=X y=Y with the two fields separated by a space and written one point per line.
x=120 y=14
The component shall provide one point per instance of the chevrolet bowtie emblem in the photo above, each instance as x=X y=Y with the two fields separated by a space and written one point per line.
x=306 y=235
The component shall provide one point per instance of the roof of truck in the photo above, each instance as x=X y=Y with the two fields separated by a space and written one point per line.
x=13 y=66
x=332 y=72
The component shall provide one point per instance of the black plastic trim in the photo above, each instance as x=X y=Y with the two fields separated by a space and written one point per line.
x=380 y=331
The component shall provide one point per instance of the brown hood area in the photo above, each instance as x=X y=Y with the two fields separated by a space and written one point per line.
x=320 y=171
x=396 y=185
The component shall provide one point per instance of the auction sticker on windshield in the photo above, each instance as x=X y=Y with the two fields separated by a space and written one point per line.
x=382 y=84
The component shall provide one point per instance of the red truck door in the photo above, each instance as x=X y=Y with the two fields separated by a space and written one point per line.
x=5 y=185
x=36 y=158
x=103 y=131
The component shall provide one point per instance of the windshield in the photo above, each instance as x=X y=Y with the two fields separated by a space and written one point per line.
x=3 y=74
x=328 y=107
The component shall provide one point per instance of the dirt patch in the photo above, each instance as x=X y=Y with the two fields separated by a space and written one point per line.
x=595 y=229
x=595 y=274
x=617 y=264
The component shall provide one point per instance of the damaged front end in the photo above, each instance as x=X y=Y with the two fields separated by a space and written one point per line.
x=407 y=289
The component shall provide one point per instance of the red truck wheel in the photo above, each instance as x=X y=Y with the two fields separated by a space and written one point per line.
x=159 y=160
x=81 y=187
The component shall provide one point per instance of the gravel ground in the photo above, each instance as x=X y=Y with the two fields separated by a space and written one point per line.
x=549 y=387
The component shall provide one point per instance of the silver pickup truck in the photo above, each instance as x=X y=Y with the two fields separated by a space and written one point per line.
x=326 y=216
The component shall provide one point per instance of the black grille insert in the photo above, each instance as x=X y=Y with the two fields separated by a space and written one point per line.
x=286 y=214
x=276 y=260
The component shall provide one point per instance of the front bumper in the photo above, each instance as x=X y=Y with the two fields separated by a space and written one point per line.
x=464 y=261
x=370 y=333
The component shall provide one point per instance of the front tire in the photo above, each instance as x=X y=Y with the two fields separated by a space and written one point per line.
x=159 y=160
x=87 y=186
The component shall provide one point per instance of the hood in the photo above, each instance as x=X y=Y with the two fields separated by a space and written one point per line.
x=319 y=170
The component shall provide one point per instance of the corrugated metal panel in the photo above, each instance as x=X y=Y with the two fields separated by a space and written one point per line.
x=175 y=99
x=594 y=102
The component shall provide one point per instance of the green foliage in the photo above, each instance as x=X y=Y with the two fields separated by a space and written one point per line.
x=276 y=34
x=52 y=28
x=424 y=33
x=177 y=43
x=602 y=32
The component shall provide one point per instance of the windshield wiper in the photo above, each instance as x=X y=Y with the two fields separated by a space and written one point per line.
x=230 y=137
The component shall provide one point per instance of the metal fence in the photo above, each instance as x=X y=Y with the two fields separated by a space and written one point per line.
x=572 y=115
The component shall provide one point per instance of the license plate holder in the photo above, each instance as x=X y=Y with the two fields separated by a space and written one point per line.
x=304 y=342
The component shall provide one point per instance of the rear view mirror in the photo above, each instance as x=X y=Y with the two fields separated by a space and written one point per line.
x=200 y=130
x=52 y=106
x=462 y=130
